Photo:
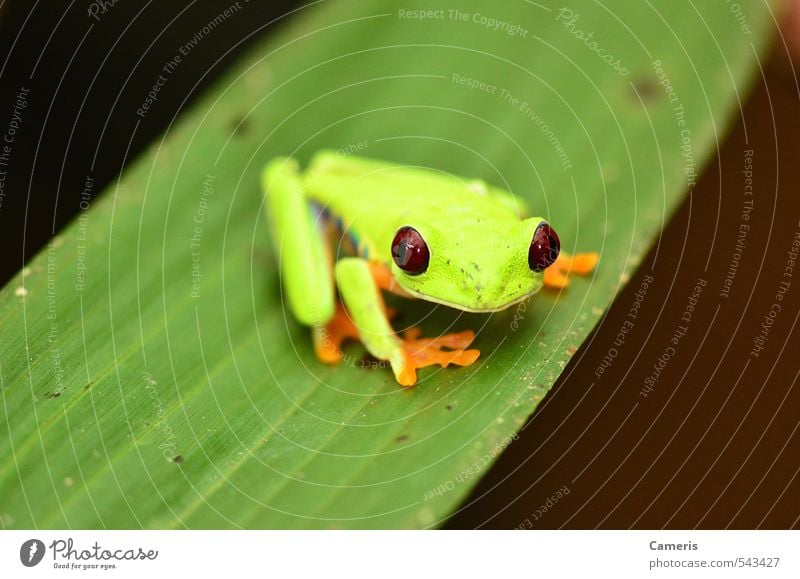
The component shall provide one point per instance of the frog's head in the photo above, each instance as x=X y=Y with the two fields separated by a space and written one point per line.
x=474 y=267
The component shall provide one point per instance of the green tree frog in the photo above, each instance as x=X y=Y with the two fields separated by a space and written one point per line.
x=414 y=232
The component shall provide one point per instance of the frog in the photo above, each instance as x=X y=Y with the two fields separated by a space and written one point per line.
x=349 y=229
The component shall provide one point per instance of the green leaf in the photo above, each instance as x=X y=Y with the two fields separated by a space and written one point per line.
x=150 y=373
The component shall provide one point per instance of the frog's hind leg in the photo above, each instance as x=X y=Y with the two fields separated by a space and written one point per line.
x=360 y=284
x=556 y=276
x=328 y=338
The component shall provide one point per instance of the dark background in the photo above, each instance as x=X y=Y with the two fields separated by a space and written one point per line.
x=714 y=445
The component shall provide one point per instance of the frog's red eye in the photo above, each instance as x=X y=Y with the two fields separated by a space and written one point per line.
x=544 y=247
x=409 y=251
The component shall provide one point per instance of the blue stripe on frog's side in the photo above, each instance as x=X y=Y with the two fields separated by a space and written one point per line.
x=350 y=241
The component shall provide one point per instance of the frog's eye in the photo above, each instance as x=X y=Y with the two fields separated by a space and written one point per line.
x=409 y=251
x=544 y=247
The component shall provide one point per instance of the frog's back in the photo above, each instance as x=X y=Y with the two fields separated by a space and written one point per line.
x=372 y=199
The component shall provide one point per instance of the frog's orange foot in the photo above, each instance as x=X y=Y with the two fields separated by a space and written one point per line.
x=422 y=352
x=328 y=339
x=555 y=276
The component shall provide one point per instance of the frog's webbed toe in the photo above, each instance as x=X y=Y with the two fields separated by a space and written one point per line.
x=442 y=350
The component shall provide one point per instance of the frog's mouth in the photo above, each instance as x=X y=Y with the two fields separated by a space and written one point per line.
x=471 y=309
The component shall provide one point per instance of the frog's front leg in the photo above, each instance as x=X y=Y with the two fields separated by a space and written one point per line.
x=360 y=283
x=299 y=238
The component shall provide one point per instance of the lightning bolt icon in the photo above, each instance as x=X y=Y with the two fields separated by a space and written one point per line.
x=34 y=548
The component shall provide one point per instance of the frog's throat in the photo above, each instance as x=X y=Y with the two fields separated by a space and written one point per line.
x=464 y=308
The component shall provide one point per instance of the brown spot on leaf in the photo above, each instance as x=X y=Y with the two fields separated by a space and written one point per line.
x=240 y=126
x=646 y=87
